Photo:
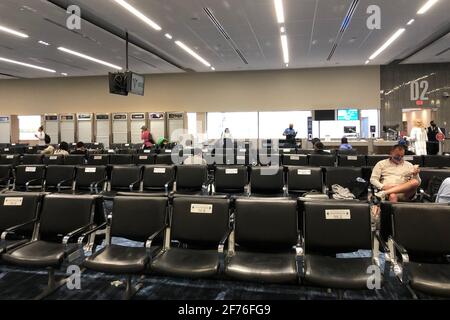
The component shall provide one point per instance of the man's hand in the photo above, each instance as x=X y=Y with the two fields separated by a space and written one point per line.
x=387 y=186
x=416 y=170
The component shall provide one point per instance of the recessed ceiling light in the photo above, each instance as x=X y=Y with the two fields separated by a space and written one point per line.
x=64 y=74
x=287 y=65
x=279 y=10
x=168 y=36
x=139 y=14
x=192 y=53
x=213 y=69
x=44 y=43
x=410 y=22
x=13 y=32
x=367 y=62
x=394 y=37
x=284 y=45
x=427 y=6
x=81 y=55
x=26 y=65
x=283 y=29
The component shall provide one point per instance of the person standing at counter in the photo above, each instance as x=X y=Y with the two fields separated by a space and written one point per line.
x=433 y=143
x=345 y=145
x=419 y=138
x=290 y=134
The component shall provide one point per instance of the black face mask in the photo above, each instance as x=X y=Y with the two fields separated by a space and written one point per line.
x=397 y=159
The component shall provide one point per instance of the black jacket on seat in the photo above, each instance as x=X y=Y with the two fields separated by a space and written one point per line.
x=200 y=223
x=265 y=233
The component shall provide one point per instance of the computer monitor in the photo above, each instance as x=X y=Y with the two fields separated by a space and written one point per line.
x=325 y=115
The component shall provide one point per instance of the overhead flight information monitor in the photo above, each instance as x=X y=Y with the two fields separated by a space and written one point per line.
x=348 y=114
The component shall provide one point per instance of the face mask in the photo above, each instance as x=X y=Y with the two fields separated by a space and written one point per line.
x=397 y=159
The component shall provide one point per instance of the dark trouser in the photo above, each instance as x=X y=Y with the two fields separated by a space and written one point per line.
x=432 y=147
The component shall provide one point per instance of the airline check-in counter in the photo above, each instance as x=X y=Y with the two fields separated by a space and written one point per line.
x=369 y=146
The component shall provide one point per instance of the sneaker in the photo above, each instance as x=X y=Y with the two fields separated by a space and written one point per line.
x=380 y=195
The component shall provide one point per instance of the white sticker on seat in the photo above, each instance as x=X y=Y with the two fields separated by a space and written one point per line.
x=127 y=144
x=16 y=202
x=53 y=157
x=143 y=157
x=240 y=157
x=30 y=169
x=231 y=171
x=30 y=148
x=90 y=170
x=338 y=214
x=98 y=157
x=9 y=157
x=147 y=151
x=352 y=158
x=408 y=158
x=201 y=208
x=294 y=157
x=286 y=150
x=6 y=149
x=168 y=150
x=301 y=172
x=159 y=170
x=110 y=151
x=242 y=150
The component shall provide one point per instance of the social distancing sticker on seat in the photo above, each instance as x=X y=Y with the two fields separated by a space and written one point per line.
x=286 y=150
x=53 y=157
x=110 y=151
x=16 y=202
x=338 y=214
x=159 y=170
x=98 y=157
x=147 y=151
x=9 y=157
x=231 y=171
x=6 y=149
x=168 y=151
x=242 y=150
x=30 y=169
x=201 y=208
x=294 y=157
x=352 y=158
x=240 y=157
x=90 y=170
x=303 y=172
x=142 y=157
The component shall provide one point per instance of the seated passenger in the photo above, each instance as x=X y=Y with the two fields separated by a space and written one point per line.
x=345 y=145
x=49 y=150
x=80 y=149
x=396 y=179
x=319 y=149
x=63 y=149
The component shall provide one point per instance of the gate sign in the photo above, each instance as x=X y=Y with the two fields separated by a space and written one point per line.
x=440 y=137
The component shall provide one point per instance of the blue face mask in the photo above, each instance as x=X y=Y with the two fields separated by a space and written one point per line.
x=397 y=159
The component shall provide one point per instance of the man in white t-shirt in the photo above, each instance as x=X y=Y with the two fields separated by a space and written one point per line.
x=41 y=136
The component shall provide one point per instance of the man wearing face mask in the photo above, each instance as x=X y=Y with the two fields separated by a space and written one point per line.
x=396 y=179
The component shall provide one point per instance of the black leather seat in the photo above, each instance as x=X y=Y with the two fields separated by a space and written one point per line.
x=158 y=179
x=332 y=227
x=437 y=161
x=6 y=176
x=18 y=215
x=265 y=233
x=29 y=177
x=144 y=159
x=10 y=159
x=269 y=159
x=75 y=160
x=420 y=234
x=53 y=160
x=321 y=160
x=372 y=160
x=90 y=179
x=166 y=158
x=351 y=160
x=59 y=177
x=124 y=178
x=304 y=179
x=295 y=160
x=192 y=179
x=120 y=159
x=202 y=256
x=230 y=179
x=267 y=181
x=98 y=160
x=31 y=159
x=418 y=160
x=426 y=175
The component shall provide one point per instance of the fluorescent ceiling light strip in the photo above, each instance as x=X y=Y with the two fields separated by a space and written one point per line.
x=139 y=14
x=168 y=36
x=78 y=54
x=44 y=43
x=26 y=65
x=284 y=45
x=394 y=37
x=192 y=53
x=13 y=32
x=410 y=22
x=279 y=10
x=427 y=6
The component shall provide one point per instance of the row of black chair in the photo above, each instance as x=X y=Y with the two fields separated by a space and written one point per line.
x=239 y=238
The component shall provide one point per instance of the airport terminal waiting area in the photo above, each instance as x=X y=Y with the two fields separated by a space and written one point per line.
x=128 y=223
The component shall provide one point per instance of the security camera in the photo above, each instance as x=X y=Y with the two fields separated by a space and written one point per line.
x=446 y=95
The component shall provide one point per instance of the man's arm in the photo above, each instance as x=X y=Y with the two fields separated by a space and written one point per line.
x=376 y=176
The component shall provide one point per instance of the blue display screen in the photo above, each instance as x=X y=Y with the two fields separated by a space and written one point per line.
x=348 y=114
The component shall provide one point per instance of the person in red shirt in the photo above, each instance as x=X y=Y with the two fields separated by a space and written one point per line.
x=146 y=136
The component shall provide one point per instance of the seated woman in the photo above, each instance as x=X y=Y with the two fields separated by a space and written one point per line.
x=345 y=145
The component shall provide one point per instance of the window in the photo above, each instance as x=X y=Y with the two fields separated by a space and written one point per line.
x=192 y=123
x=28 y=126
x=273 y=124
x=242 y=125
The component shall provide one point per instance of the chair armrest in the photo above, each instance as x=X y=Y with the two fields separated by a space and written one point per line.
x=131 y=186
x=74 y=233
x=13 y=229
x=224 y=239
x=84 y=235
x=400 y=267
x=300 y=255
x=94 y=185
x=59 y=185
x=27 y=185
x=167 y=184
x=148 y=242
x=377 y=241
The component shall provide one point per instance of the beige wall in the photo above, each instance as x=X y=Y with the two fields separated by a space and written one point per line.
x=305 y=89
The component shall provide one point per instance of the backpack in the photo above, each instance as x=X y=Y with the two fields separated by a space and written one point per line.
x=358 y=187
x=47 y=137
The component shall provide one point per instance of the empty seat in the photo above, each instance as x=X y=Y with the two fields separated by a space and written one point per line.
x=295 y=159
x=332 y=227
x=6 y=176
x=10 y=159
x=436 y=161
x=120 y=159
x=32 y=159
x=351 y=160
x=192 y=179
x=265 y=235
x=139 y=219
x=144 y=159
x=202 y=248
x=90 y=179
x=98 y=160
x=343 y=176
x=304 y=179
x=31 y=150
x=167 y=159
x=421 y=245
x=75 y=160
x=320 y=160
x=414 y=159
x=372 y=160
x=18 y=214
x=269 y=159
x=124 y=178
x=63 y=219
x=59 y=177
x=158 y=179
x=267 y=181
x=29 y=177
x=53 y=160
x=230 y=179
